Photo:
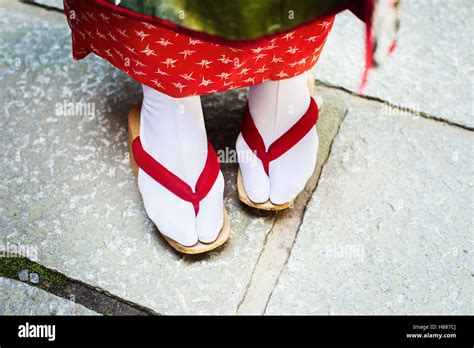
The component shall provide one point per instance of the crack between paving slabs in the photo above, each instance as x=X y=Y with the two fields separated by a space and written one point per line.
x=277 y=219
x=57 y=283
x=304 y=210
x=395 y=106
x=247 y=287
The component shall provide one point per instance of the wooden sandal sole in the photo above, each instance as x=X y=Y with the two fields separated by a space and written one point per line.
x=199 y=247
x=268 y=205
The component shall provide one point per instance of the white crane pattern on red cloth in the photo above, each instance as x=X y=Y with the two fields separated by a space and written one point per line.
x=179 y=65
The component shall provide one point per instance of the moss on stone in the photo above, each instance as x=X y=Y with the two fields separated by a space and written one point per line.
x=10 y=266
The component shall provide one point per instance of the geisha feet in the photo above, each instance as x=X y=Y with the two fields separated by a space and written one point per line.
x=280 y=143
x=179 y=176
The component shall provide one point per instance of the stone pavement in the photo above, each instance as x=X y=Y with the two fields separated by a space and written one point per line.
x=387 y=228
x=19 y=298
x=431 y=72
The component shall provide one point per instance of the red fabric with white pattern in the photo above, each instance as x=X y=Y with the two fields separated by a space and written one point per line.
x=180 y=66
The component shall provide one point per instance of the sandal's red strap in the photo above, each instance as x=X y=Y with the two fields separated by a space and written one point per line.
x=289 y=139
x=174 y=184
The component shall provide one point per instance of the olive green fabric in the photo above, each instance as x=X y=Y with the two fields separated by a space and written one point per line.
x=236 y=19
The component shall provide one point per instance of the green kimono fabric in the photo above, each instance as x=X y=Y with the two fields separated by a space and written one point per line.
x=234 y=19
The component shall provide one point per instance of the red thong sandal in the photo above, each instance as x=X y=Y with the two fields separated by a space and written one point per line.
x=139 y=158
x=280 y=146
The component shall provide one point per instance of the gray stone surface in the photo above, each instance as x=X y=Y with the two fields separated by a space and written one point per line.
x=386 y=232
x=431 y=71
x=59 y=4
x=66 y=186
x=17 y=298
x=389 y=228
x=24 y=275
x=34 y=278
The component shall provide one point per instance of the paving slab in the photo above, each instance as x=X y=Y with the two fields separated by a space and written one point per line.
x=59 y=4
x=18 y=298
x=66 y=188
x=389 y=227
x=431 y=71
